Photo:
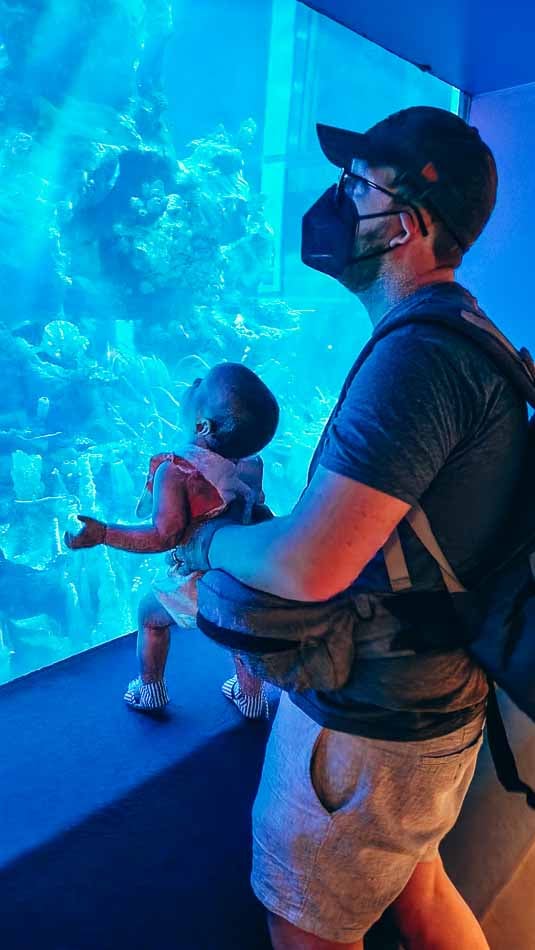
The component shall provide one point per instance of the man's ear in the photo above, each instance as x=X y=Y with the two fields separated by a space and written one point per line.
x=408 y=227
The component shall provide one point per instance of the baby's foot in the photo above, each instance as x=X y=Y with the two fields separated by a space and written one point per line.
x=146 y=697
x=252 y=707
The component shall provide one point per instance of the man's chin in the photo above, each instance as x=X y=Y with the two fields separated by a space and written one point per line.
x=360 y=277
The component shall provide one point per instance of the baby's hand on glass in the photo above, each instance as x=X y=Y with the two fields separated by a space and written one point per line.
x=92 y=533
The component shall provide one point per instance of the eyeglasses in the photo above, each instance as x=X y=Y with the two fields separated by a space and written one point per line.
x=347 y=175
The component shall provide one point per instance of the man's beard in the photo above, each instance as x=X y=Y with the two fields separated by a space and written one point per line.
x=361 y=275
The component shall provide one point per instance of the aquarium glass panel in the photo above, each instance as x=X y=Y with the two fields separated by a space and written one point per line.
x=156 y=161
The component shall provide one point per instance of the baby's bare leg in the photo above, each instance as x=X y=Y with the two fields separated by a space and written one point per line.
x=154 y=624
x=148 y=692
x=250 y=685
x=247 y=692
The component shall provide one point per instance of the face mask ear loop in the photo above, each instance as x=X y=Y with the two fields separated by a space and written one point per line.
x=406 y=178
x=383 y=214
x=408 y=204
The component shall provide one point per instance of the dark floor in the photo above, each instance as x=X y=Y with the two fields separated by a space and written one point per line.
x=120 y=831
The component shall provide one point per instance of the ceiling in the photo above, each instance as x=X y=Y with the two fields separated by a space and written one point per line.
x=470 y=44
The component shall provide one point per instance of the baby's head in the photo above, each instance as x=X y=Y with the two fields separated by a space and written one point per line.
x=231 y=411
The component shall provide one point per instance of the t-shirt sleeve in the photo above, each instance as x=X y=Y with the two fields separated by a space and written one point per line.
x=406 y=410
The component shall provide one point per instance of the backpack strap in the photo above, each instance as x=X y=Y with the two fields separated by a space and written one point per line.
x=487 y=326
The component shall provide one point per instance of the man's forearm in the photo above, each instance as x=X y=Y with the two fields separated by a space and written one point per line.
x=263 y=556
x=143 y=539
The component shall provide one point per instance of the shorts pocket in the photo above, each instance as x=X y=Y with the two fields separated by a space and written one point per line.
x=332 y=771
x=448 y=766
x=446 y=755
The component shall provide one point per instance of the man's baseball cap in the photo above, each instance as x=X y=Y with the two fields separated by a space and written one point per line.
x=443 y=161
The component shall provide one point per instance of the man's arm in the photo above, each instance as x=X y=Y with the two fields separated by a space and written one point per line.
x=406 y=411
x=317 y=551
x=169 y=520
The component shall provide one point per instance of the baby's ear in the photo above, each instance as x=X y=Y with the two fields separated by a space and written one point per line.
x=205 y=427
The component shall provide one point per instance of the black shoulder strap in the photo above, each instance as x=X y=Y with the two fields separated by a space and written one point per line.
x=462 y=316
x=516 y=365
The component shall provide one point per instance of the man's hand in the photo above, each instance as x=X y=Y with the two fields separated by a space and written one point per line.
x=92 y=533
x=194 y=555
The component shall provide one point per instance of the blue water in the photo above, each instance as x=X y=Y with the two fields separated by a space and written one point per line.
x=156 y=161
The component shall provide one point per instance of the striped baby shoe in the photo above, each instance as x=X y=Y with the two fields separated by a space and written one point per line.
x=147 y=697
x=252 y=707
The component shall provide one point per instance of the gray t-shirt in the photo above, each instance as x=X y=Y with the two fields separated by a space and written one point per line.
x=430 y=420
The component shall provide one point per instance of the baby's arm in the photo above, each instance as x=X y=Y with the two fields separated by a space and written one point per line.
x=169 y=520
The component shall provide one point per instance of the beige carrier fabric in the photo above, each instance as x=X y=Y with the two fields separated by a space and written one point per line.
x=396 y=565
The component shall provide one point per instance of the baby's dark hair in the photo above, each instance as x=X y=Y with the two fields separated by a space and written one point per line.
x=246 y=415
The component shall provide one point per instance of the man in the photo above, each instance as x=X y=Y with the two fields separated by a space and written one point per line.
x=360 y=785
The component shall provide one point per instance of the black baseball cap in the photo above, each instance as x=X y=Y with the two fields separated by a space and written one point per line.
x=444 y=164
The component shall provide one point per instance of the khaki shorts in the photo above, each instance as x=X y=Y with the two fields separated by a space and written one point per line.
x=340 y=821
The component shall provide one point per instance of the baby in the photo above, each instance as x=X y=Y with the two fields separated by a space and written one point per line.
x=228 y=416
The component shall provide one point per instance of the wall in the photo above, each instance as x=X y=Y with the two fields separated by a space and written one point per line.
x=499 y=268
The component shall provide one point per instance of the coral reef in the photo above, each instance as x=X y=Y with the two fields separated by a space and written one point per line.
x=125 y=270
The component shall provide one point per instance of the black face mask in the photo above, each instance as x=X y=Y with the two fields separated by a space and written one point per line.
x=330 y=230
